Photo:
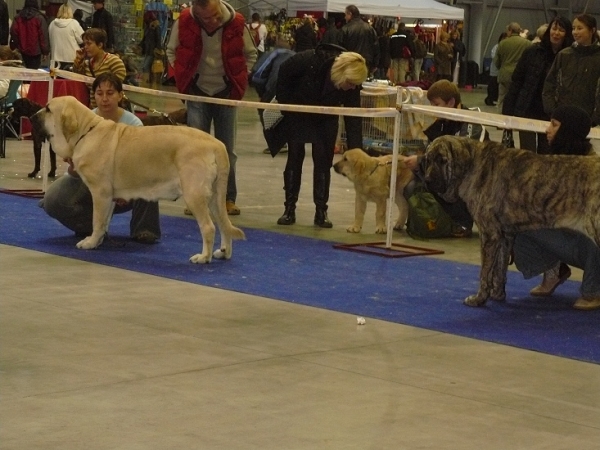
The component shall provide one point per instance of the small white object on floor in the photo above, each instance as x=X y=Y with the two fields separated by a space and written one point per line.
x=360 y=320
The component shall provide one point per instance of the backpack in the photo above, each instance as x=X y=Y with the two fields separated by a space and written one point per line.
x=426 y=217
x=254 y=34
x=259 y=76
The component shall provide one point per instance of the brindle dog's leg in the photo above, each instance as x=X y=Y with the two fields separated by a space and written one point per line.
x=494 y=264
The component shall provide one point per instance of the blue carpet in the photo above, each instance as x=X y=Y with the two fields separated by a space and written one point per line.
x=419 y=291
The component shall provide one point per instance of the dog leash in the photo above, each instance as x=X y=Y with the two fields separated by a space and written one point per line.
x=151 y=110
x=379 y=164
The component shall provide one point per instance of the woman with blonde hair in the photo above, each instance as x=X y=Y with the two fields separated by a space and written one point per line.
x=65 y=37
x=325 y=76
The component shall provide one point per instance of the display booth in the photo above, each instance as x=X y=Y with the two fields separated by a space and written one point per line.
x=429 y=9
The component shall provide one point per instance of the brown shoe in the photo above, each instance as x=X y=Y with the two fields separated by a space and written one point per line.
x=553 y=278
x=232 y=210
x=587 y=304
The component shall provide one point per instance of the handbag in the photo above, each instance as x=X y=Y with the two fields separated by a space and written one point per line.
x=272 y=117
x=158 y=66
x=274 y=129
x=426 y=217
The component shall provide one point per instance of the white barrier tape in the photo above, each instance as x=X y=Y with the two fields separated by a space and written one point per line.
x=490 y=119
x=355 y=112
x=20 y=73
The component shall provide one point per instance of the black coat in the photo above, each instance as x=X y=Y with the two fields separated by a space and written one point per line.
x=152 y=38
x=3 y=23
x=104 y=20
x=524 y=97
x=305 y=37
x=332 y=36
x=398 y=40
x=304 y=79
x=360 y=37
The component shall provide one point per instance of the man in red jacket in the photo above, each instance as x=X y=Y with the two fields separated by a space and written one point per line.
x=29 y=35
x=212 y=53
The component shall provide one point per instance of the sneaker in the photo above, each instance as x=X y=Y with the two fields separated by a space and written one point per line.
x=232 y=210
x=587 y=304
x=553 y=278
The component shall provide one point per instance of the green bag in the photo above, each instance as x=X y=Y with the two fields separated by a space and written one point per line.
x=426 y=217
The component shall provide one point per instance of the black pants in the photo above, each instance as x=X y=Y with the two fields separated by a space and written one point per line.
x=322 y=156
x=492 y=90
x=32 y=62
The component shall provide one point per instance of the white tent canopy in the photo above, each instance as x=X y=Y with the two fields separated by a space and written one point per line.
x=413 y=9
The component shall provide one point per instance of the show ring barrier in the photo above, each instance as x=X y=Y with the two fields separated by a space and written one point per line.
x=404 y=111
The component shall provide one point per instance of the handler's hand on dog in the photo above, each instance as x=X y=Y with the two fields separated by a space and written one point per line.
x=412 y=162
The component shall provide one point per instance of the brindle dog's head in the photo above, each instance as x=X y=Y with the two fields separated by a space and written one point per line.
x=447 y=161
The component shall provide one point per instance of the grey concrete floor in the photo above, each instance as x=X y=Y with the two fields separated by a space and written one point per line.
x=101 y=358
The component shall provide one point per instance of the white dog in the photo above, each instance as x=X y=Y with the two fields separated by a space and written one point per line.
x=121 y=161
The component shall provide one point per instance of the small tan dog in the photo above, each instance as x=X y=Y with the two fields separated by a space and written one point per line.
x=371 y=177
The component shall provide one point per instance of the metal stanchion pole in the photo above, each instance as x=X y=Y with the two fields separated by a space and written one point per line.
x=46 y=147
x=395 y=151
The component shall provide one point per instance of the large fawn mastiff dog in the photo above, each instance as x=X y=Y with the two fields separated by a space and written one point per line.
x=510 y=190
x=163 y=162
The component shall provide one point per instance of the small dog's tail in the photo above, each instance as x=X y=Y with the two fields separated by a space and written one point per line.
x=237 y=233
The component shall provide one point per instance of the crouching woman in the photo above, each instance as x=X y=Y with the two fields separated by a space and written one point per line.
x=69 y=200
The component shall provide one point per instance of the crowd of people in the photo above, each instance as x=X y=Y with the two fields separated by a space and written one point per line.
x=213 y=50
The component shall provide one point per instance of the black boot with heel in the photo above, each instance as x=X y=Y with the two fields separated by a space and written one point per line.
x=321 y=183
x=291 y=185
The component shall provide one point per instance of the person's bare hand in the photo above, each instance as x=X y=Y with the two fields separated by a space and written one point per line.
x=412 y=162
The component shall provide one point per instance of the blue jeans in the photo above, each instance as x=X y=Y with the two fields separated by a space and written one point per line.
x=147 y=65
x=201 y=116
x=540 y=250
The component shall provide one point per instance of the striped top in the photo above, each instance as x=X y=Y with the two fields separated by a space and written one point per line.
x=109 y=63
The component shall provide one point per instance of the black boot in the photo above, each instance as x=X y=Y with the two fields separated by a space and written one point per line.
x=291 y=184
x=321 y=184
